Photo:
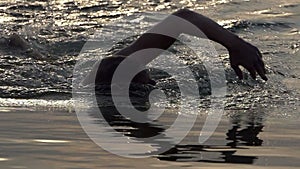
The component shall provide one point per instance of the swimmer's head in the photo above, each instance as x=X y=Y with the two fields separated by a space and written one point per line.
x=105 y=71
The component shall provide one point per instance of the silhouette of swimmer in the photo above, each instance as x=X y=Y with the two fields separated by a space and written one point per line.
x=108 y=66
x=241 y=52
x=17 y=42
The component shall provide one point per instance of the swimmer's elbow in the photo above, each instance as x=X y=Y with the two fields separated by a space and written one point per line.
x=183 y=12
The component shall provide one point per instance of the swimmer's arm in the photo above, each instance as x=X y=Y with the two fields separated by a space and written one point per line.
x=177 y=24
x=241 y=52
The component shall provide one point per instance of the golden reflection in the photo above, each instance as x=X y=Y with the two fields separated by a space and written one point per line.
x=4 y=110
x=4 y=159
x=51 y=141
x=271 y=13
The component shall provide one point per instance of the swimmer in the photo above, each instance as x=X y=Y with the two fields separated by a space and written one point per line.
x=241 y=53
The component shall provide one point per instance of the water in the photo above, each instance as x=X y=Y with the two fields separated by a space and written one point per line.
x=35 y=139
x=60 y=29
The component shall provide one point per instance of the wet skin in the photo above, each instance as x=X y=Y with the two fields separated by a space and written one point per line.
x=241 y=53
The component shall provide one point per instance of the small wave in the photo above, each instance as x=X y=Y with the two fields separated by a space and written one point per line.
x=26 y=77
x=37 y=103
x=289 y=5
x=27 y=7
x=94 y=8
x=238 y=25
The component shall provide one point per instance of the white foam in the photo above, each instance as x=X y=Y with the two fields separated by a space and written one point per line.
x=35 y=103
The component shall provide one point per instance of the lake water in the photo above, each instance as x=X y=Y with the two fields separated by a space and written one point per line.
x=39 y=128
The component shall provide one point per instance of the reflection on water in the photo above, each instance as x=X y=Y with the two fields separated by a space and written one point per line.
x=3 y=159
x=236 y=141
x=211 y=154
x=243 y=131
x=247 y=135
x=128 y=127
x=50 y=141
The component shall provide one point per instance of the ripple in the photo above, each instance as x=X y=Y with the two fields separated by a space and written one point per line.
x=36 y=103
x=50 y=141
x=238 y=25
x=27 y=7
x=3 y=159
x=289 y=5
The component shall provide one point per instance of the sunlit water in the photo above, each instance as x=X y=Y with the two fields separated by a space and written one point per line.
x=59 y=29
x=268 y=112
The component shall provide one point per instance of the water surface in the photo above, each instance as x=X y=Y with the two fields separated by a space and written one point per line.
x=38 y=123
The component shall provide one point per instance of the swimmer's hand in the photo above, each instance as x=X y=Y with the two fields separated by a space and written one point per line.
x=244 y=54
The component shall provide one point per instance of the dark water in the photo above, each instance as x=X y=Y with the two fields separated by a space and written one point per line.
x=55 y=139
x=60 y=29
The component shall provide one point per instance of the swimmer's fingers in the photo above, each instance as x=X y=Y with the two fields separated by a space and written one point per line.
x=260 y=68
x=237 y=71
x=252 y=70
x=261 y=62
